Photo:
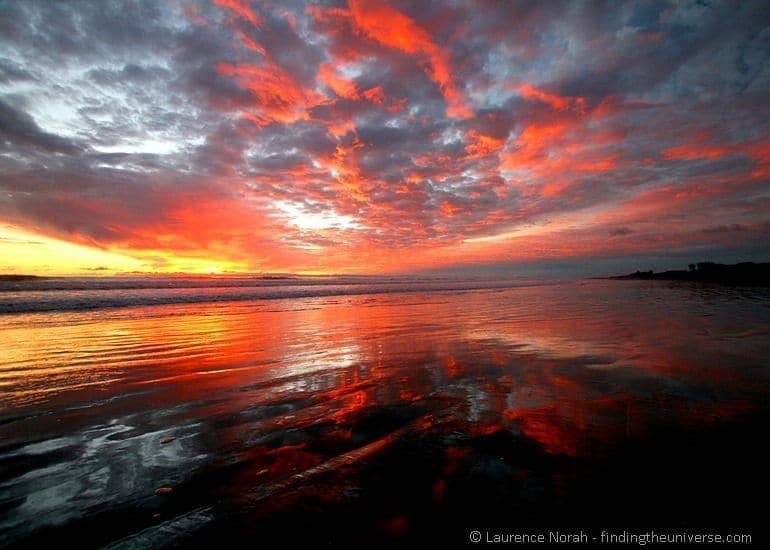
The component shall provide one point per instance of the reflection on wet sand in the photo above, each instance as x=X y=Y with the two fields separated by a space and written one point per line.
x=363 y=417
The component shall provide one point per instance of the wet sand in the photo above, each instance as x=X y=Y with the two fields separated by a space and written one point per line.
x=376 y=418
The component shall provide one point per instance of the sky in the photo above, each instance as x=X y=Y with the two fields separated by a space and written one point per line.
x=382 y=137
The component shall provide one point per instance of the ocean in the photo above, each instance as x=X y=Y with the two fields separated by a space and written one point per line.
x=182 y=411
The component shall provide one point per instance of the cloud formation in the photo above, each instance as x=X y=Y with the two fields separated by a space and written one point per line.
x=386 y=136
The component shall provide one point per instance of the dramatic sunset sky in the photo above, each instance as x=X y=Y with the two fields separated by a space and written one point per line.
x=382 y=137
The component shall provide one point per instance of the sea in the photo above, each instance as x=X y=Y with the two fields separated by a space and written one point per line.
x=243 y=411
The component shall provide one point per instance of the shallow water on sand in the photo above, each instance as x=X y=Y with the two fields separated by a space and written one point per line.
x=366 y=417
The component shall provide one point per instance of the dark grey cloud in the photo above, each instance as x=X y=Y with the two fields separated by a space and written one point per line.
x=18 y=129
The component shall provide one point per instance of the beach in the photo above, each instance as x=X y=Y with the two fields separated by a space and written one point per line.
x=164 y=412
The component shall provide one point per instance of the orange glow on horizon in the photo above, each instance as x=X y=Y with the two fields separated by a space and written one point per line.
x=23 y=252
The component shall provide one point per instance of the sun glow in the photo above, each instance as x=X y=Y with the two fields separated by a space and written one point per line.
x=26 y=252
x=32 y=253
x=300 y=217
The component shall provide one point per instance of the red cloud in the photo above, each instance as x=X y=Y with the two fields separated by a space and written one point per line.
x=242 y=8
x=480 y=145
x=375 y=95
x=346 y=88
x=688 y=151
x=250 y=43
x=392 y=28
x=279 y=97
x=343 y=87
x=558 y=103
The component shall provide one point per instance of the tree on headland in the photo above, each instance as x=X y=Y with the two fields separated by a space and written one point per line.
x=708 y=267
x=741 y=273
